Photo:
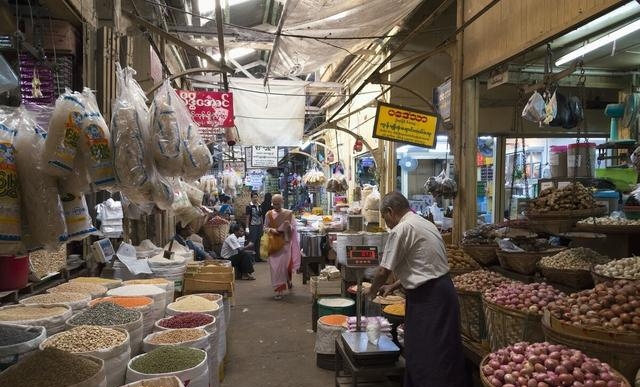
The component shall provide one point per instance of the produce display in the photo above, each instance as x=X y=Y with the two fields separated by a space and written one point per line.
x=459 y=260
x=175 y=336
x=193 y=304
x=50 y=367
x=105 y=313
x=573 y=196
x=479 y=280
x=609 y=306
x=167 y=359
x=609 y=221
x=86 y=339
x=577 y=258
x=527 y=298
x=31 y=312
x=186 y=320
x=546 y=365
x=482 y=235
x=626 y=268
x=11 y=334
x=56 y=298
x=314 y=178
x=79 y=287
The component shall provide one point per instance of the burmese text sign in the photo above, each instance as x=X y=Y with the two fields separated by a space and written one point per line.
x=410 y=126
x=209 y=109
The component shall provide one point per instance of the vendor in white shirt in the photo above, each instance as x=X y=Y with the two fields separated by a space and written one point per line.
x=234 y=250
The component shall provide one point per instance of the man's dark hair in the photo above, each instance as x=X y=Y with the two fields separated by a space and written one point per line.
x=235 y=227
x=396 y=201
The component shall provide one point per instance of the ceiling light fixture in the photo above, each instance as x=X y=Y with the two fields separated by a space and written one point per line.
x=608 y=38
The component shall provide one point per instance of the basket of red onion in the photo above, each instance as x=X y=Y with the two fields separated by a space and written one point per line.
x=603 y=322
x=546 y=365
x=469 y=287
x=513 y=312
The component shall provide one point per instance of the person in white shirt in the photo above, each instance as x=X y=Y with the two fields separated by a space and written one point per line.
x=233 y=250
x=416 y=253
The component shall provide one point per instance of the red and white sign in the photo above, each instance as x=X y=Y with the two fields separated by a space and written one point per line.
x=209 y=109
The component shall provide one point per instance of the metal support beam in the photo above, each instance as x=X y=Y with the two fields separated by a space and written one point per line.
x=276 y=41
x=219 y=25
x=178 y=75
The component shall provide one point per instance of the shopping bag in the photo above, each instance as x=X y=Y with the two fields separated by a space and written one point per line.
x=264 y=246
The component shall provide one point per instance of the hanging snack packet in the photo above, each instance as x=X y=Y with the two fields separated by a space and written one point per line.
x=166 y=133
x=10 y=222
x=63 y=137
x=96 y=146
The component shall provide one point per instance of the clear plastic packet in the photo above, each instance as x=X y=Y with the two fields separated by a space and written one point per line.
x=10 y=220
x=96 y=146
x=41 y=208
x=76 y=215
x=63 y=136
x=166 y=133
x=197 y=157
x=534 y=110
x=8 y=78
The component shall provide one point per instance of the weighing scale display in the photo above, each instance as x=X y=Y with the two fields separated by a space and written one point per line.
x=362 y=256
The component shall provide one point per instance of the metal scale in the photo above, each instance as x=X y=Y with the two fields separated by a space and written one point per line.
x=356 y=344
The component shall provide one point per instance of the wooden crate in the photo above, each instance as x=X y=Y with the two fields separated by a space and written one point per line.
x=198 y=285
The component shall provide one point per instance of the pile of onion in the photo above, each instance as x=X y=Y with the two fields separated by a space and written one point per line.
x=528 y=298
x=479 y=280
x=546 y=365
x=610 y=305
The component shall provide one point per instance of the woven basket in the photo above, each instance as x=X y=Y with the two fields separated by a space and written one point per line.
x=575 y=279
x=620 y=351
x=486 y=383
x=523 y=262
x=483 y=254
x=557 y=222
x=472 y=323
x=508 y=326
x=599 y=278
x=216 y=233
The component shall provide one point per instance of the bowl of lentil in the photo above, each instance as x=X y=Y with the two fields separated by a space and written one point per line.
x=108 y=344
x=18 y=341
x=94 y=290
x=76 y=301
x=52 y=317
x=108 y=283
x=187 y=364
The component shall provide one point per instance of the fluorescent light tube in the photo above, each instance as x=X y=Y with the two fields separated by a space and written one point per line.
x=608 y=38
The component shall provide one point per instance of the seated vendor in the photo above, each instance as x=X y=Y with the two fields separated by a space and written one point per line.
x=234 y=250
x=182 y=235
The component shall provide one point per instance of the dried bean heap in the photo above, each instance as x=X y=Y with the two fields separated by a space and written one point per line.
x=86 y=339
x=175 y=336
x=577 y=258
x=186 y=320
x=479 y=280
x=167 y=359
x=55 y=298
x=32 y=312
x=573 y=196
x=610 y=305
x=105 y=313
x=50 y=367
x=80 y=287
x=10 y=334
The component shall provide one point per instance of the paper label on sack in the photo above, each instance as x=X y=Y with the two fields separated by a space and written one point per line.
x=127 y=255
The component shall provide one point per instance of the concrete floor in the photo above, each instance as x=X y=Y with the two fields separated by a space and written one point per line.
x=271 y=343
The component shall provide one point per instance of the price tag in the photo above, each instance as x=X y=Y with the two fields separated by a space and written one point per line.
x=562 y=184
x=362 y=256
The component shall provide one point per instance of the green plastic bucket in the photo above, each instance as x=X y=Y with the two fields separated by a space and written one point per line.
x=336 y=305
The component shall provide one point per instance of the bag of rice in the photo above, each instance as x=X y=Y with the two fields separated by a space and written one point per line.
x=96 y=146
x=63 y=137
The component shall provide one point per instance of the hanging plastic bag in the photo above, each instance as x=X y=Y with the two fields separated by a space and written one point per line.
x=96 y=144
x=563 y=112
x=41 y=205
x=197 y=158
x=166 y=132
x=10 y=220
x=550 y=109
x=534 y=110
x=63 y=136
x=8 y=78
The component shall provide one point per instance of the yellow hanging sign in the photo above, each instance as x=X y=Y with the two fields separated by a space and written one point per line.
x=400 y=124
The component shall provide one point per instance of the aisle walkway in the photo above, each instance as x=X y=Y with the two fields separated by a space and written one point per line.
x=270 y=343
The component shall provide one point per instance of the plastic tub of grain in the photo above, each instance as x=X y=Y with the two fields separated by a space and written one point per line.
x=187 y=364
x=94 y=290
x=142 y=304
x=163 y=381
x=110 y=315
x=53 y=367
x=163 y=283
x=142 y=290
x=109 y=344
x=108 y=283
x=18 y=341
x=51 y=317
x=76 y=301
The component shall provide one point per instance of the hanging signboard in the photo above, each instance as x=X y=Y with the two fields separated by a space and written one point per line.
x=410 y=126
x=442 y=99
x=264 y=156
x=254 y=178
x=209 y=109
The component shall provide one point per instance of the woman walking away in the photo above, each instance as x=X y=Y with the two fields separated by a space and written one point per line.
x=284 y=247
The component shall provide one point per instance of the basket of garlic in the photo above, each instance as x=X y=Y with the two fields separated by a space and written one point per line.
x=571 y=267
x=625 y=268
x=609 y=224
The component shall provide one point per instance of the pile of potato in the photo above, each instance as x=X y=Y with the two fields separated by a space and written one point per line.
x=577 y=258
x=573 y=196
x=459 y=260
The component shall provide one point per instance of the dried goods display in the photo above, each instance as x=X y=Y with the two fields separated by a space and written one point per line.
x=546 y=365
x=337 y=183
x=459 y=260
x=167 y=359
x=577 y=258
x=175 y=336
x=314 y=178
x=479 y=280
x=609 y=221
x=86 y=339
x=441 y=186
x=573 y=196
x=482 y=234
x=527 y=298
x=608 y=306
x=625 y=268
x=43 y=262
x=105 y=313
x=186 y=320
